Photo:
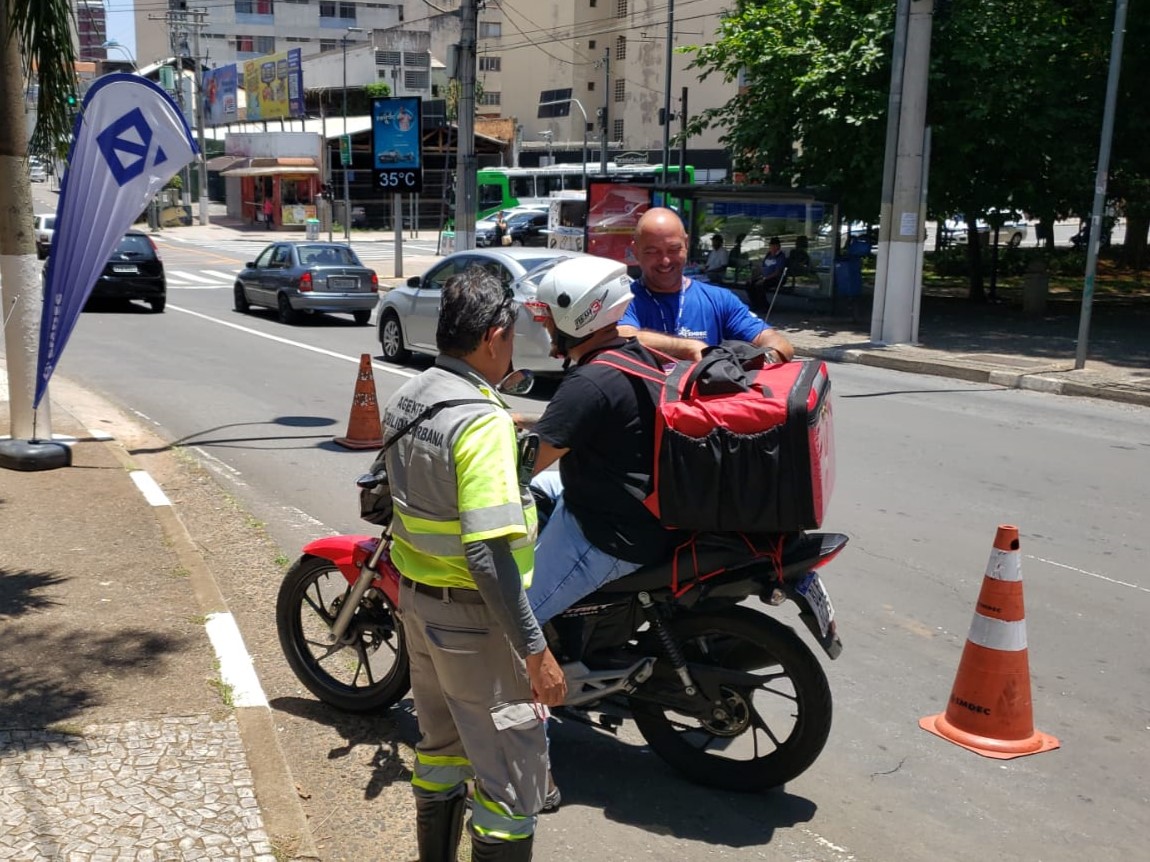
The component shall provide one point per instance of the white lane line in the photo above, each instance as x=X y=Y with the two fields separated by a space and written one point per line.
x=236 y=669
x=149 y=488
x=184 y=275
x=1090 y=574
x=217 y=275
x=174 y=286
x=390 y=369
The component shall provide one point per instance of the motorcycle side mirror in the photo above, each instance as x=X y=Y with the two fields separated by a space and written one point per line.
x=517 y=382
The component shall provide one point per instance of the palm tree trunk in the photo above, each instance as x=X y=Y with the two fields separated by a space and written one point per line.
x=20 y=288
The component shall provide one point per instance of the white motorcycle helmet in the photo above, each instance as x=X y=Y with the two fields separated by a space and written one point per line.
x=584 y=295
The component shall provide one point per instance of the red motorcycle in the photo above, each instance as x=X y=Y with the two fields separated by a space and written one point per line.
x=721 y=690
x=728 y=695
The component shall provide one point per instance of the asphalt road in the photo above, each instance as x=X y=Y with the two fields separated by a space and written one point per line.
x=926 y=469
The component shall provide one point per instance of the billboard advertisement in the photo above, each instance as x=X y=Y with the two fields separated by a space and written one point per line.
x=220 y=100
x=613 y=211
x=396 y=139
x=274 y=86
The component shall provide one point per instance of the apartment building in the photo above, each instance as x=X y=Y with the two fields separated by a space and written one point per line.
x=238 y=30
x=91 y=30
x=602 y=54
x=609 y=54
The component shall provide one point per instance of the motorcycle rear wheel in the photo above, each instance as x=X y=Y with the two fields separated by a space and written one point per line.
x=369 y=671
x=772 y=732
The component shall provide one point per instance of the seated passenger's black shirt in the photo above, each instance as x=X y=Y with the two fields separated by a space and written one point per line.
x=607 y=420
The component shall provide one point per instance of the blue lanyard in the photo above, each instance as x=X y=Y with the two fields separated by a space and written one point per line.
x=663 y=312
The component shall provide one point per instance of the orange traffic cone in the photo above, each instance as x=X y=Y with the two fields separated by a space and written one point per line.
x=363 y=426
x=989 y=711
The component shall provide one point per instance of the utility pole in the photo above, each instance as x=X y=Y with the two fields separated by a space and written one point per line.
x=682 y=138
x=1096 y=213
x=198 y=24
x=178 y=25
x=466 y=183
x=895 y=299
x=667 y=89
x=605 y=109
x=345 y=161
x=893 y=110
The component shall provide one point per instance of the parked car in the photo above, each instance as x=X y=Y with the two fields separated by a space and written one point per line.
x=307 y=277
x=485 y=227
x=134 y=271
x=408 y=315
x=37 y=172
x=1012 y=232
x=528 y=228
x=43 y=227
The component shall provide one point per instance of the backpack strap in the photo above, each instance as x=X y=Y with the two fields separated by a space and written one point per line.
x=630 y=366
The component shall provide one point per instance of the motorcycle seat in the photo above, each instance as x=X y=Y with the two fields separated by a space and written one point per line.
x=712 y=552
x=707 y=553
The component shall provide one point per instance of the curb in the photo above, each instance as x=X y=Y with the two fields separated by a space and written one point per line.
x=279 y=804
x=1036 y=381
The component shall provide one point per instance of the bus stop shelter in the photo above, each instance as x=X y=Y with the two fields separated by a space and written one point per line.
x=747 y=217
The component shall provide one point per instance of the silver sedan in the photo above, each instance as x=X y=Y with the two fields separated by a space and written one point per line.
x=409 y=314
x=294 y=278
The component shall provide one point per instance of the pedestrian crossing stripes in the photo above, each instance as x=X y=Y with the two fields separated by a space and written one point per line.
x=200 y=279
x=249 y=249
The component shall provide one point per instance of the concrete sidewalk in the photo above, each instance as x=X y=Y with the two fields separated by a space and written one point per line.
x=131 y=723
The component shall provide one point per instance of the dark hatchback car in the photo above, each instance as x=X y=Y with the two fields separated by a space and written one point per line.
x=294 y=278
x=528 y=229
x=134 y=271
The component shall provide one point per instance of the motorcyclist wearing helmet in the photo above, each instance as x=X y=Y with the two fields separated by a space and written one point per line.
x=601 y=424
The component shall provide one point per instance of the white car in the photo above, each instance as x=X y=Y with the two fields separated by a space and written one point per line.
x=408 y=315
x=37 y=173
x=43 y=228
x=1012 y=232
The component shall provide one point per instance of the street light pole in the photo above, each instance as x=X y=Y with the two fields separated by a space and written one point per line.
x=346 y=184
x=582 y=111
x=667 y=90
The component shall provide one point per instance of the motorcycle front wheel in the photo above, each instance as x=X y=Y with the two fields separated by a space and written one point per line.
x=764 y=734
x=365 y=672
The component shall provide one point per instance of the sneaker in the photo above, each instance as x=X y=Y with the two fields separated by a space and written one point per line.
x=553 y=798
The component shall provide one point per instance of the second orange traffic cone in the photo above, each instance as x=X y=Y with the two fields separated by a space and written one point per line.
x=363 y=426
x=989 y=711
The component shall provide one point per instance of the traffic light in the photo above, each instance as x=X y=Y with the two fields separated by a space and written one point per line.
x=71 y=100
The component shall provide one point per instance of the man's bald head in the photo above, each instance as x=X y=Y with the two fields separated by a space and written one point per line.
x=661 y=249
x=660 y=219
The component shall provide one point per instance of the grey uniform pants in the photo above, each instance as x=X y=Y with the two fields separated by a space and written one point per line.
x=476 y=713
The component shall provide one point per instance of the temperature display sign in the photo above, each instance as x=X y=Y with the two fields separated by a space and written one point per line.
x=396 y=134
x=400 y=182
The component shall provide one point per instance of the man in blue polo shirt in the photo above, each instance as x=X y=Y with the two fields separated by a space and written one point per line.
x=681 y=316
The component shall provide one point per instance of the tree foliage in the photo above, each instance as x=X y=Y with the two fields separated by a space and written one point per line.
x=1015 y=102
x=41 y=32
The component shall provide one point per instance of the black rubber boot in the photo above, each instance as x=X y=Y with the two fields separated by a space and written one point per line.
x=501 y=851
x=438 y=828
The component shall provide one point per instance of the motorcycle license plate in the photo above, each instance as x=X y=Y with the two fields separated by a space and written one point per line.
x=812 y=589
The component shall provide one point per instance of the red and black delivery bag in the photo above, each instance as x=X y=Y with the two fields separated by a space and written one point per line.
x=740 y=446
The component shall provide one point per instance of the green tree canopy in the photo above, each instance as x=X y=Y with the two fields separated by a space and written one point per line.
x=1015 y=101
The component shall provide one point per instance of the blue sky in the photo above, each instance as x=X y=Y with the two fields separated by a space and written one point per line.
x=121 y=23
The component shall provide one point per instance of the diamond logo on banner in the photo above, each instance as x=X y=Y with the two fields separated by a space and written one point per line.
x=125 y=144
